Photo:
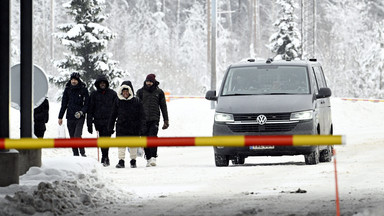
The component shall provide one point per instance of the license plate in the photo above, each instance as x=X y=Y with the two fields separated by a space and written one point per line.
x=261 y=147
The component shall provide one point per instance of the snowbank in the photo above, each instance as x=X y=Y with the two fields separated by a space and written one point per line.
x=63 y=185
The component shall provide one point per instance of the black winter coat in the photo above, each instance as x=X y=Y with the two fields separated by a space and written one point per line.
x=153 y=100
x=100 y=105
x=41 y=113
x=75 y=99
x=129 y=113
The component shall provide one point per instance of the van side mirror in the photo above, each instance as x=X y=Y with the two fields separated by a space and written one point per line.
x=324 y=93
x=211 y=95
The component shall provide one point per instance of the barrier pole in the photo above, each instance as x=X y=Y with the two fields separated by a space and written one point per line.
x=337 y=188
x=224 y=141
x=98 y=154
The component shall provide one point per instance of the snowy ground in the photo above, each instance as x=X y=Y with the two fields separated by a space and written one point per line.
x=186 y=181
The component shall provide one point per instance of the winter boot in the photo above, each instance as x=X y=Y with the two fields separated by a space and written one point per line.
x=106 y=162
x=120 y=164
x=153 y=161
x=133 y=163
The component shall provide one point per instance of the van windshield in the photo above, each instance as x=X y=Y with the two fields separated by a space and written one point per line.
x=266 y=80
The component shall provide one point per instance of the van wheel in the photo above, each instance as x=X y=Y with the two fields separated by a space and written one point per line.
x=221 y=160
x=238 y=160
x=313 y=157
x=326 y=154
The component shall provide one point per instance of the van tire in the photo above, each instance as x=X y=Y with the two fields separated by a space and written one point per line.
x=238 y=160
x=221 y=160
x=326 y=154
x=313 y=157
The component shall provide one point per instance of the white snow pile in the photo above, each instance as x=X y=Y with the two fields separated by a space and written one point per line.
x=73 y=187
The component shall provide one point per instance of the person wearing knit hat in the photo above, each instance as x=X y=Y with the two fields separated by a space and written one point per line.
x=153 y=99
x=151 y=78
x=75 y=76
x=75 y=103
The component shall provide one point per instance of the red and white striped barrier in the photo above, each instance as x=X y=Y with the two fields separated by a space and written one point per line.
x=169 y=97
x=362 y=99
x=229 y=141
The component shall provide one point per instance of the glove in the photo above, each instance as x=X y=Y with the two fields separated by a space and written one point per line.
x=165 y=125
x=90 y=129
x=78 y=114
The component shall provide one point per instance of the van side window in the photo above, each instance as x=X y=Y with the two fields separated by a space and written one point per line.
x=319 y=77
x=314 y=81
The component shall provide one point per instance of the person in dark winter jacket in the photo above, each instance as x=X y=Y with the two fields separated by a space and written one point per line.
x=153 y=100
x=40 y=117
x=99 y=111
x=75 y=102
x=129 y=112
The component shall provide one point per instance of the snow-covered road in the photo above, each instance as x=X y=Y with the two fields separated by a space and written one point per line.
x=186 y=181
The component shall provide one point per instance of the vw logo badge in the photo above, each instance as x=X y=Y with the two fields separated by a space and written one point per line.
x=261 y=119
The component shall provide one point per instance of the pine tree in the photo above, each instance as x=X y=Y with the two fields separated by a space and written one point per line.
x=87 y=41
x=286 y=43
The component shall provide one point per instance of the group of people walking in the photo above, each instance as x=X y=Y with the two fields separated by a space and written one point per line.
x=133 y=115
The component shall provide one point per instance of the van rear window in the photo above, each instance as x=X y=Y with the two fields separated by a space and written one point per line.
x=266 y=80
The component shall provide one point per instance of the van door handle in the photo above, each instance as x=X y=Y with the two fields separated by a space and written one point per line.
x=322 y=102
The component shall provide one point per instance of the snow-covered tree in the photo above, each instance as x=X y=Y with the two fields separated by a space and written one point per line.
x=286 y=42
x=192 y=50
x=15 y=32
x=87 y=40
x=353 y=60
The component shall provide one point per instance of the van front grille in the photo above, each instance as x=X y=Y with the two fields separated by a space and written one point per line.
x=270 y=116
x=241 y=128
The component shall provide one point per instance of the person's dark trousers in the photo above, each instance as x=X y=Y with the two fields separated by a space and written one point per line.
x=75 y=129
x=39 y=129
x=103 y=132
x=151 y=129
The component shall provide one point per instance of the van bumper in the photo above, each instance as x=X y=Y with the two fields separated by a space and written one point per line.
x=302 y=128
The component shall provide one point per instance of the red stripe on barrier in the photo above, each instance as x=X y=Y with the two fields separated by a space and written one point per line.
x=268 y=140
x=75 y=143
x=2 y=143
x=170 y=141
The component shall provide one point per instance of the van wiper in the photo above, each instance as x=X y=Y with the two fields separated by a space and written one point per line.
x=236 y=94
x=279 y=93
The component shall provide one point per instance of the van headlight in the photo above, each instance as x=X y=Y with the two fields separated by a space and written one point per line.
x=223 y=117
x=304 y=115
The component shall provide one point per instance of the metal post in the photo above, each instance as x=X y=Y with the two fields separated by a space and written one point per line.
x=26 y=71
x=302 y=29
x=52 y=28
x=213 y=48
x=208 y=35
x=5 y=31
x=28 y=158
x=255 y=17
x=9 y=166
x=314 y=28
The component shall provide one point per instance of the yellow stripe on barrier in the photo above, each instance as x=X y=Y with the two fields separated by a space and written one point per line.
x=220 y=141
x=308 y=140
x=29 y=143
x=106 y=142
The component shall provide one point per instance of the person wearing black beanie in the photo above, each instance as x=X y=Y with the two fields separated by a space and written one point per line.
x=75 y=103
x=153 y=99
